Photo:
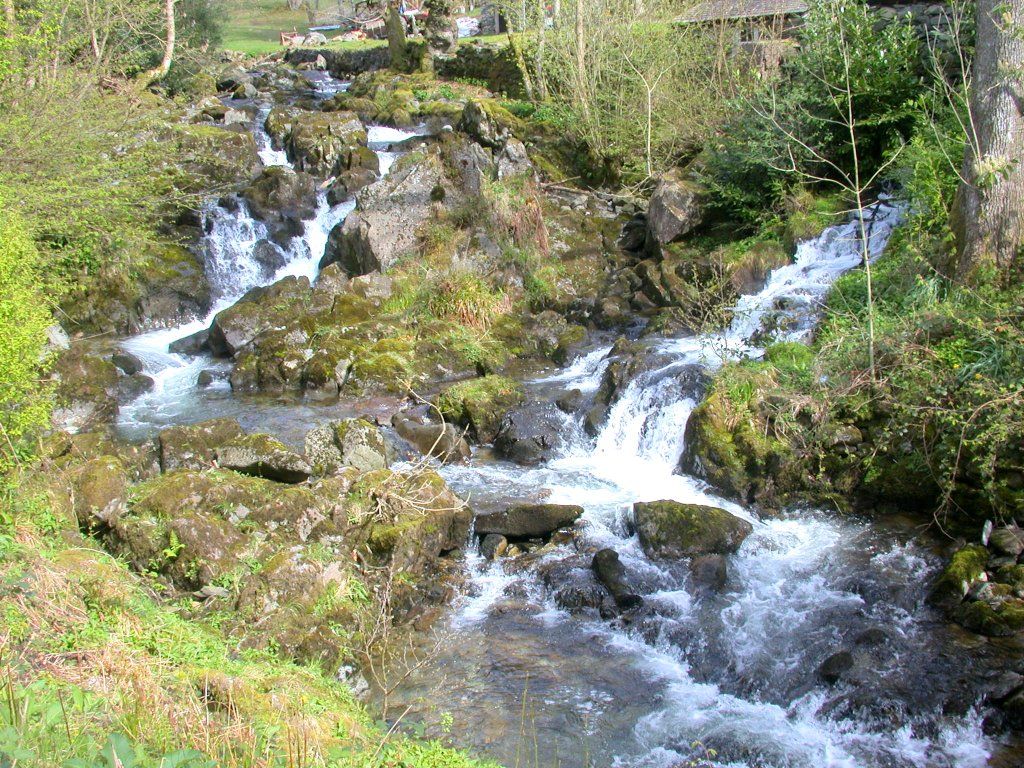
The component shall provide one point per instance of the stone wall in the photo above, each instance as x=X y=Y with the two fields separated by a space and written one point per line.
x=343 y=64
x=494 y=65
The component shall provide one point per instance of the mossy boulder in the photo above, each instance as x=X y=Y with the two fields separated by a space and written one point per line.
x=194 y=446
x=670 y=530
x=356 y=443
x=283 y=199
x=213 y=156
x=966 y=566
x=480 y=404
x=86 y=393
x=263 y=456
x=1000 y=618
x=324 y=143
x=442 y=441
x=100 y=490
x=257 y=311
x=676 y=208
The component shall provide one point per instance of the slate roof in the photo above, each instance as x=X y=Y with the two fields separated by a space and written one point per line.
x=723 y=10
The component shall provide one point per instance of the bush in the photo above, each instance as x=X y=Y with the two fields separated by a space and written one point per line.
x=24 y=319
x=796 y=126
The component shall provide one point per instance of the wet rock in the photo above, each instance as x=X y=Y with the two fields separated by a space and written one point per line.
x=531 y=434
x=193 y=344
x=835 y=666
x=872 y=637
x=194 y=446
x=128 y=363
x=528 y=521
x=237 y=326
x=610 y=572
x=131 y=387
x=283 y=199
x=443 y=442
x=997 y=616
x=676 y=208
x=480 y=404
x=709 y=572
x=671 y=530
x=1007 y=541
x=493 y=546
x=570 y=402
x=208 y=377
x=263 y=456
x=356 y=443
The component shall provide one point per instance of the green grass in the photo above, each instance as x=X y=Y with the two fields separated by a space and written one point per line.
x=254 y=27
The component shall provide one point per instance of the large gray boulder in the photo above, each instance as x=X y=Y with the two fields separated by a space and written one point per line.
x=528 y=521
x=676 y=208
x=356 y=443
x=263 y=456
x=531 y=434
x=236 y=327
x=383 y=227
x=670 y=530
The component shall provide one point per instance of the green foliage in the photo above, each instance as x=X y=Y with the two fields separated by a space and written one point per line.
x=850 y=67
x=24 y=319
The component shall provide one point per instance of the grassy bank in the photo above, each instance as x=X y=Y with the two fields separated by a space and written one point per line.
x=98 y=670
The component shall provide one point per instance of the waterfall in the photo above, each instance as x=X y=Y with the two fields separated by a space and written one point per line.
x=232 y=250
x=733 y=671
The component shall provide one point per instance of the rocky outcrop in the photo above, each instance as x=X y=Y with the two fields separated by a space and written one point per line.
x=356 y=443
x=328 y=143
x=670 y=530
x=531 y=434
x=982 y=587
x=528 y=521
x=263 y=456
x=383 y=227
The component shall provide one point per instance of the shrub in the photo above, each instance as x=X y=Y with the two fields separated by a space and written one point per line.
x=24 y=319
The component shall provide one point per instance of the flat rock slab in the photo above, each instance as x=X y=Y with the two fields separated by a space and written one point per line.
x=527 y=521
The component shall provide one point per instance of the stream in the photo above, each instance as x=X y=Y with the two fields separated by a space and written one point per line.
x=726 y=677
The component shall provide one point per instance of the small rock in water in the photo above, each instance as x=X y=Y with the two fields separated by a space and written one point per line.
x=609 y=571
x=835 y=666
x=709 y=572
x=128 y=363
x=493 y=546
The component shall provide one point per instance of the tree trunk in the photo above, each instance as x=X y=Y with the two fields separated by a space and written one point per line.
x=989 y=221
x=160 y=71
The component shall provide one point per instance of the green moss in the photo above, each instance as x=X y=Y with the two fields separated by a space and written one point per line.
x=480 y=404
x=965 y=567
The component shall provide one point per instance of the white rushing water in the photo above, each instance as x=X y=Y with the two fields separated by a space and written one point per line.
x=729 y=672
x=232 y=249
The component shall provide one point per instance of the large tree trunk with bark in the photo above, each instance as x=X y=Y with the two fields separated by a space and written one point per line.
x=160 y=71
x=989 y=221
x=440 y=31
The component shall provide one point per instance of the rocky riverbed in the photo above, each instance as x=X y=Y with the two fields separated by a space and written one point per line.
x=405 y=389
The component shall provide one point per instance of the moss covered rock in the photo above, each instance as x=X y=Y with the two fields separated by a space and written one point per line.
x=356 y=443
x=263 y=456
x=965 y=568
x=480 y=404
x=672 y=530
x=194 y=446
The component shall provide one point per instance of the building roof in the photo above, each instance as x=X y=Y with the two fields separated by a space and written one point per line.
x=723 y=10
